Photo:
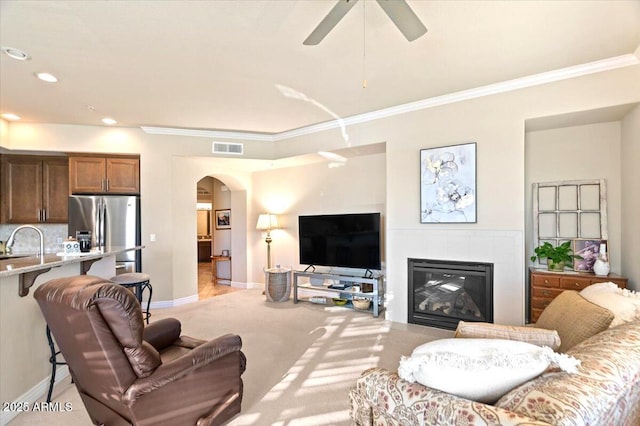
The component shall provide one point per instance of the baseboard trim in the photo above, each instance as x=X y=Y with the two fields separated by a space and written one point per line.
x=240 y=284
x=162 y=304
x=173 y=303
x=33 y=395
x=246 y=285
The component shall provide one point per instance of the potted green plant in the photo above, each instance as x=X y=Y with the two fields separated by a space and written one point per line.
x=557 y=256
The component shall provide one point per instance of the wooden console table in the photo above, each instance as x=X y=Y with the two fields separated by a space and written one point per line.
x=214 y=267
x=546 y=285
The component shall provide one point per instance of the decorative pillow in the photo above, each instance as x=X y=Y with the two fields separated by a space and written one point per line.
x=624 y=304
x=485 y=330
x=479 y=369
x=574 y=318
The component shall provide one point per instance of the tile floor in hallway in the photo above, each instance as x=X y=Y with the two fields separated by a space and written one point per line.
x=206 y=286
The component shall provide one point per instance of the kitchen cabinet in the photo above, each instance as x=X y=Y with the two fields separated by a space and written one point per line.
x=104 y=175
x=204 y=250
x=546 y=285
x=34 y=189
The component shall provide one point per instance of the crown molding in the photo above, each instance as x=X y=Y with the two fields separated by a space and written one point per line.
x=478 y=92
x=222 y=134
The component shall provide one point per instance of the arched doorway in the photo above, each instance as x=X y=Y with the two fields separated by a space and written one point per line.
x=214 y=238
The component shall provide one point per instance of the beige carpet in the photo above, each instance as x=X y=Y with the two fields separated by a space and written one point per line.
x=301 y=358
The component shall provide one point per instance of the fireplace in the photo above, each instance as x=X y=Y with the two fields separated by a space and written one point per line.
x=443 y=292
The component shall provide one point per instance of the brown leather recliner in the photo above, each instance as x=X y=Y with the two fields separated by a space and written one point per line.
x=129 y=374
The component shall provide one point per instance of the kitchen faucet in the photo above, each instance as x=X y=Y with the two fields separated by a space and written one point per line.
x=12 y=238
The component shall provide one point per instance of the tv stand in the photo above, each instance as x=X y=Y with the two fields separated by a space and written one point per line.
x=371 y=288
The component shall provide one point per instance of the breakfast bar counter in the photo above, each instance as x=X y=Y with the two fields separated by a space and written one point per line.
x=28 y=267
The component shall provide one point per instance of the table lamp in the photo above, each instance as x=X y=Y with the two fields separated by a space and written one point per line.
x=267 y=222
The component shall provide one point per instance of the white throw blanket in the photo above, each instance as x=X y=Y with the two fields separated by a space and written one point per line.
x=625 y=304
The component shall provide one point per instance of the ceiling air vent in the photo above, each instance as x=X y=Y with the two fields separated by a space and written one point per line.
x=227 y=148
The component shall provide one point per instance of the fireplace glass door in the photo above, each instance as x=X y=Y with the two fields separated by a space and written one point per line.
x=441 y=293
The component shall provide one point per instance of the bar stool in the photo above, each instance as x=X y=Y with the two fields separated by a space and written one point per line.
x=53 y=359
x=136 y=282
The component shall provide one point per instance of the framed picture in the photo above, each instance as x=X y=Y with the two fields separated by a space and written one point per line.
x=223 y=219
x=588 y=250
x=448 y=184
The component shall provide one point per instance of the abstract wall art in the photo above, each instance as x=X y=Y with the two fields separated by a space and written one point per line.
x=448 y=184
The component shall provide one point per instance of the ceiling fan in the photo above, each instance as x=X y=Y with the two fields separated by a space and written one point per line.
x=397 y=10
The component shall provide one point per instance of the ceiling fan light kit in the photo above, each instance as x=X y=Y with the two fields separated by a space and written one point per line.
x=399 y=11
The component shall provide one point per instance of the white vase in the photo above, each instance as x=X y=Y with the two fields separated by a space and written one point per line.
x=601 y=267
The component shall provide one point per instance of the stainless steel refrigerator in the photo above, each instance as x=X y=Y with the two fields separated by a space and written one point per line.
x=114 y=221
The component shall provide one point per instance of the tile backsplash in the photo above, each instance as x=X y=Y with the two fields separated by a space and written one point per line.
x=27 y=240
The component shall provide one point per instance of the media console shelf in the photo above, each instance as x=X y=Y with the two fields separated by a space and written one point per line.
x=375 y=284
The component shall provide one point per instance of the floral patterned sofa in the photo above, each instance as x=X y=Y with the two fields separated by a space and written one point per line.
x=604 y=391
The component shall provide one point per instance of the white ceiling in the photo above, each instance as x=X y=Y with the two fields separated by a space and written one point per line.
x=218 y=64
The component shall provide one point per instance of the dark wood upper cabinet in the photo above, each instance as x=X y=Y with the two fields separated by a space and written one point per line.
x=87 y=175
x=55 y=190
x=34 y=189
x=104 y=175
x=123 y=175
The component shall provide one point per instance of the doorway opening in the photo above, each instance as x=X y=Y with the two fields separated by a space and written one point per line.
x=213 y=238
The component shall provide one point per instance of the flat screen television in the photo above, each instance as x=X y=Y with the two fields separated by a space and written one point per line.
x=340 y=240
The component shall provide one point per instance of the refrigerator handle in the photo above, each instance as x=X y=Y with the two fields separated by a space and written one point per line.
x=101 y=224
x=97 y=226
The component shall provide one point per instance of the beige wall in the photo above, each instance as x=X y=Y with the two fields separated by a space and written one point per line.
x=171 y=164
x=222 y=237
x=171 y=167
x=358 y=186
x=4 y=133
x=630 y=241
x=186 y=171
x=577 y=153
x=496 y=124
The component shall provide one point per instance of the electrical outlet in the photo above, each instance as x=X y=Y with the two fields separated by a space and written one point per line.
x=152 y=237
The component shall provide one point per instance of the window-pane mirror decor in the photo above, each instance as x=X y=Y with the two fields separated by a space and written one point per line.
x=566 y=210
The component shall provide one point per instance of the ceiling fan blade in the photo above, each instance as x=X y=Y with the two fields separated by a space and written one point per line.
x=403 y=16
x=326 y=25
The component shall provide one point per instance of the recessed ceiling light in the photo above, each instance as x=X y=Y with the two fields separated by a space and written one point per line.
x=10 y=116
x=45 y=76
x=109 y=121
x=14 y=53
